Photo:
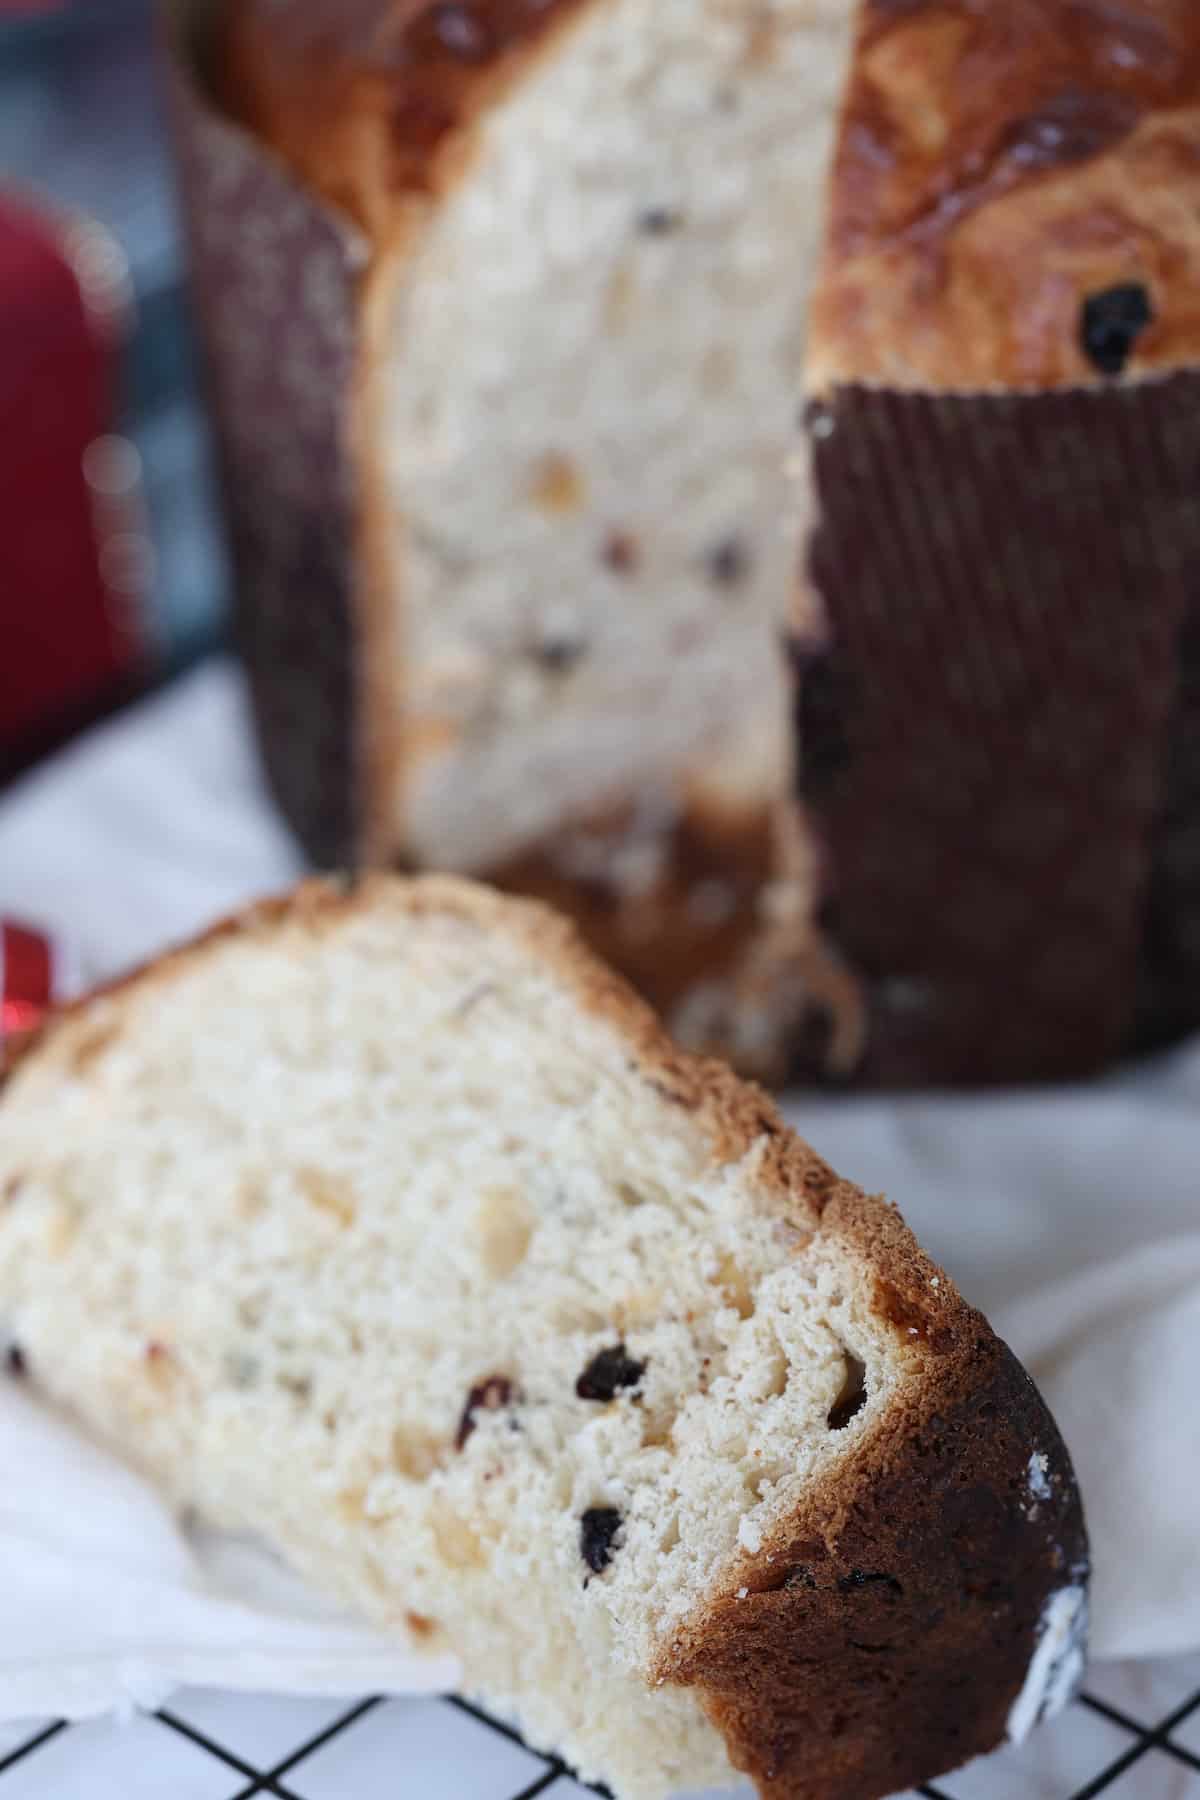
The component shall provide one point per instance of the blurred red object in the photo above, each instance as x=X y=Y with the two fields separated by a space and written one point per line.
x=26 y=979
x=73 y=548
x=36 y=973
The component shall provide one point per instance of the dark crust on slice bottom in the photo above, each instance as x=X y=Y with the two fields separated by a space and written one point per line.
x=886 y=1631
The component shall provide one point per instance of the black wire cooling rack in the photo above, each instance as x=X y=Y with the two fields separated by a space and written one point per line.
x=366 y=1749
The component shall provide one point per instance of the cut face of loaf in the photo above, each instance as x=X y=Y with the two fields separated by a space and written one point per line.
x=592 y=532
x=579 y=358
x=386 y=1224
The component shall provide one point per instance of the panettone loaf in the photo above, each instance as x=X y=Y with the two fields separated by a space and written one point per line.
x=580 y=238
x=385 y=1223
x=998 y=676
x=505 y=305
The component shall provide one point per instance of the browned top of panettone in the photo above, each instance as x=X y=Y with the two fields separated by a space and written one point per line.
x=1013 y=196
x=367 y=100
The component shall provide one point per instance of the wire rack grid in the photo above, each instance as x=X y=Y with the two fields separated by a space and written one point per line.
x=1134 y=1736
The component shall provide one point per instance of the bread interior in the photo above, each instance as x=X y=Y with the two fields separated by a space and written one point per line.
x=385 y=1236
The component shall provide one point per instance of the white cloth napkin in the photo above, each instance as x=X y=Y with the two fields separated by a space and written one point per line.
x=109 y=1605
x=1072 y=1217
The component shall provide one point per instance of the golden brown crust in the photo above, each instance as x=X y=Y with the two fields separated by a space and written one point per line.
x=735 y=1113
x=1000 y=163
x=890 y=1635
x=370 y=101
x=883 y=1635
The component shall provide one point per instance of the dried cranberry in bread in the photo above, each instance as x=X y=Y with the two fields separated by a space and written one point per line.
x=384 y=1222
x=998 y=705
x=504 y=304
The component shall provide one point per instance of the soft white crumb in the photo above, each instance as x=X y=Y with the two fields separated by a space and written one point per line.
x=749 y=1536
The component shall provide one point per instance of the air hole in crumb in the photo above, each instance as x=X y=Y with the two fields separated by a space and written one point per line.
x=629 y=1196
x=775 y=1379
x=351 y=1505
x=327 y=1194
x=637 y=1306
x=12 y=1188
x=597 y=1529
x=419 y=1625
x=15 y=1361
x=490 y=1395
x=62 y=1228
x=458 y=1545
x=736 y=1286
x=656 y=1430
x=414 y=1454
x=560 y=1486
x=852 y=1396
x=573 y=1314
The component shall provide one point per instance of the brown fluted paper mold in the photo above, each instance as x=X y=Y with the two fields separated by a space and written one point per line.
x=278 y=374
x=998 y=684
x=992 y=731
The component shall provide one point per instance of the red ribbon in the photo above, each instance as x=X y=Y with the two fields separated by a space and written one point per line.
x=26 y=979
